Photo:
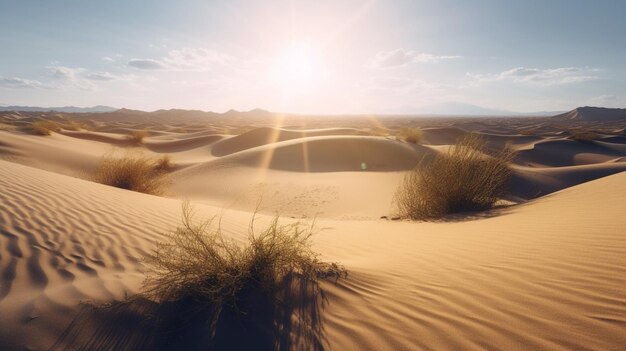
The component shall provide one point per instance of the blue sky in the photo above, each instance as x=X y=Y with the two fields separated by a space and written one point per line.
x=313 y=56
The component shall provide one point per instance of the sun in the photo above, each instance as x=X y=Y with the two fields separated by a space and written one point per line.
x=297 y=68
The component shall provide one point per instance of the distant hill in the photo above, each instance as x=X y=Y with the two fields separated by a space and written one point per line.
x=589 y=113
x=69 y=109
x=173 y=115
x=453 y=108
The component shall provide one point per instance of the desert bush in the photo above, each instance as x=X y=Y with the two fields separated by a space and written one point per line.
x=462 y=179
x=137 y=136
x=136 y=173
x=584 y=137
x=410 y=135
x=379 y=131
x=197 y=262
x=71 y=125
x=163 y=164
x=42 y=127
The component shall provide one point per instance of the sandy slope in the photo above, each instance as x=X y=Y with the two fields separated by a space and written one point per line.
x=330 y=173
x=545 y=275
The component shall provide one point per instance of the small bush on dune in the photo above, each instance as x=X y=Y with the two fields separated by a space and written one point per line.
x=136 y=173
x=163 y=164
x=379 y=131
x=584 y=137
x=137 y=136
x=43 y=127
x=410 y=135
x=462 y=179
x=197 y=262
x=71 y=125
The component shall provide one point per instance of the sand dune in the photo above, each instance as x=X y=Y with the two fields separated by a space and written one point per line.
x=321 y=154
x=588 y=113
x=442 y=136
x=263 y=136
x=532 y=182
x=103 y=137
x=545 y=273
x=260 y=162
x=58 y=153
x=514 y=280
x=559 y=153
x=178 y=145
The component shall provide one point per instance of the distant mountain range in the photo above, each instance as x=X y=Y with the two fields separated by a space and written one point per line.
x=108 y=113
x=69 y=109
x=440 y=109
x=454 y=108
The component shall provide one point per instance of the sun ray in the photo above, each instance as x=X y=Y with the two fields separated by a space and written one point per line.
x=268 y=155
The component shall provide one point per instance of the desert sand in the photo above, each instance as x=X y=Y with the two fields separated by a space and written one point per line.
x=546 y=270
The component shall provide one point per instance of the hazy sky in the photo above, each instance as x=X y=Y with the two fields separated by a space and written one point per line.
x=313 y=56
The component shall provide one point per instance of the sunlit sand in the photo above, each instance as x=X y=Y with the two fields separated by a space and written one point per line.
x=545 y=269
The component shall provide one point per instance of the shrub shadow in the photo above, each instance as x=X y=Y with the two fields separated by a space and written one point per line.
x=475 y=215
x=290 y=319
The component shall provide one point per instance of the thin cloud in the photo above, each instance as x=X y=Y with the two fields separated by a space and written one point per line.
x=147 y=64
x=19 y=83
x=543 y=77
x=100 y=76
x=401 y=57
x=185 y=59
x=61 y=77
x=62 y=72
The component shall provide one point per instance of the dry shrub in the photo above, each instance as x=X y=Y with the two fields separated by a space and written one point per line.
x=379 y=131
x=198 y=263
x=163 y=164
x=584 y=137
x=71 y=125
x=43 y=127
x=137 y=136
x=462 y=179
x=136 y=173
x=410 y=135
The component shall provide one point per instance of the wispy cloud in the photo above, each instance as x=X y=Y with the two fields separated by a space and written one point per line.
x=401 y=57
x=63 y=77
x=69 y=77
x=543 y=77
x=62 y=72
x=19 y=83
x=100 y=76
x=185 y=59
x=148 y=64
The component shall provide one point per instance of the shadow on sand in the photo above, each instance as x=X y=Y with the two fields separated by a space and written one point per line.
x=290 y=320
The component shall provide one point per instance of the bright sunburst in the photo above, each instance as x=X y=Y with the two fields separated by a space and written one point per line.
x=298 y=68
